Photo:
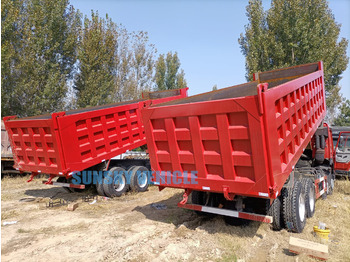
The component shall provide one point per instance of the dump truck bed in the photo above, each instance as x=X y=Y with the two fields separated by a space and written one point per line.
x=65 y=142
x=243 y=139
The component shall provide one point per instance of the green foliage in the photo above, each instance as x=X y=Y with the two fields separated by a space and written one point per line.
x=97 y=49
x=167 y=73
x=292 y=33
x=54 y=60
x=38 y=54
x=343 y=118
x=115 y=65
x=135 y=65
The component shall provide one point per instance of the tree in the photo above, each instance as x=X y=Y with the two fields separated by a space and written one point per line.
x=167 y=73
x=38 y=55
x=292 y=33
x=215 y=87
x=135 y=65
x=97 y=50
x=114 y=65
x=343 y=118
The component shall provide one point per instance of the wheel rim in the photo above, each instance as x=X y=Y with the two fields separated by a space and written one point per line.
x=142 y=179
x=312 y=199
x=119 y=187
x=301 y=207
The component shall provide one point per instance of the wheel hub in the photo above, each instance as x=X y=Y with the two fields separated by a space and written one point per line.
x=121 y=184
x=312 y=199
x=142 y=179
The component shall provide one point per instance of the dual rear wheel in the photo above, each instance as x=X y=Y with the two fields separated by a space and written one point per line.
x=118 y=181
x=293 y=206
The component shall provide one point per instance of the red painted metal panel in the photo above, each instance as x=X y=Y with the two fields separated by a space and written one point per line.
x=214 y=138
x=248 y=144
x=75 y=140
x=293 y=112
x=35 y=145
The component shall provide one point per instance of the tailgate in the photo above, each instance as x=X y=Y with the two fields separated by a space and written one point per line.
x=35 y=145
x=221 y=140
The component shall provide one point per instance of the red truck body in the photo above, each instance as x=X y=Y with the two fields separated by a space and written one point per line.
x=242 y=140
x=64 y=142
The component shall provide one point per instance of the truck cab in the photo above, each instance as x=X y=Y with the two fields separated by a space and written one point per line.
x=342 y=154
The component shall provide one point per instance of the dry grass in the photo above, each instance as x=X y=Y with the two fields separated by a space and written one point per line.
x=8 y=214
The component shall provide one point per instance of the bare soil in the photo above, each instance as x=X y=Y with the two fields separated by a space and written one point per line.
x=130 y=228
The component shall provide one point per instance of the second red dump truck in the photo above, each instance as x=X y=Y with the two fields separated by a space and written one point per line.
x=66 y=143
x=257 y=151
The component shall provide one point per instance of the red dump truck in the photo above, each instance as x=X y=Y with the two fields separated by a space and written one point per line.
x=64 y=143
x=257 y=151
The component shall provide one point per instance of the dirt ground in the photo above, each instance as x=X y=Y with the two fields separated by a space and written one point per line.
x=130 y=228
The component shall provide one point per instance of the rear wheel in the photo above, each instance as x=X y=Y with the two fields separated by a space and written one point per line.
x=115 y=182
x=129 y=172
x=294 y=211
x=139 y=179
x=274 y=210
x=310 y=196
x=99 y=187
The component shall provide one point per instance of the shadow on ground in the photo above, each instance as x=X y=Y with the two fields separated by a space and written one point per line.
x=167 y=211
x=58 y=193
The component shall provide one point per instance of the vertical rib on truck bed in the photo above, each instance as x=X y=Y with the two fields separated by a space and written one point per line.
x=78 y=139
x=243 y=139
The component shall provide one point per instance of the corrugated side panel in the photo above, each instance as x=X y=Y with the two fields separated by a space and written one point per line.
x=92 y=137
x=222 y=140
x=294 y=111
x=34 y=146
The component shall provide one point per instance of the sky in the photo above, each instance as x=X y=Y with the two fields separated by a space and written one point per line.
x=204 y=34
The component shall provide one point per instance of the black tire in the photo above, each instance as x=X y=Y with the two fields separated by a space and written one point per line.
x=294 y=212
x=139 y=179
x=274 y=210
x=62 y=179
x=310 y=196
x=129 y=172
x=115 y=182
x=99 y=188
